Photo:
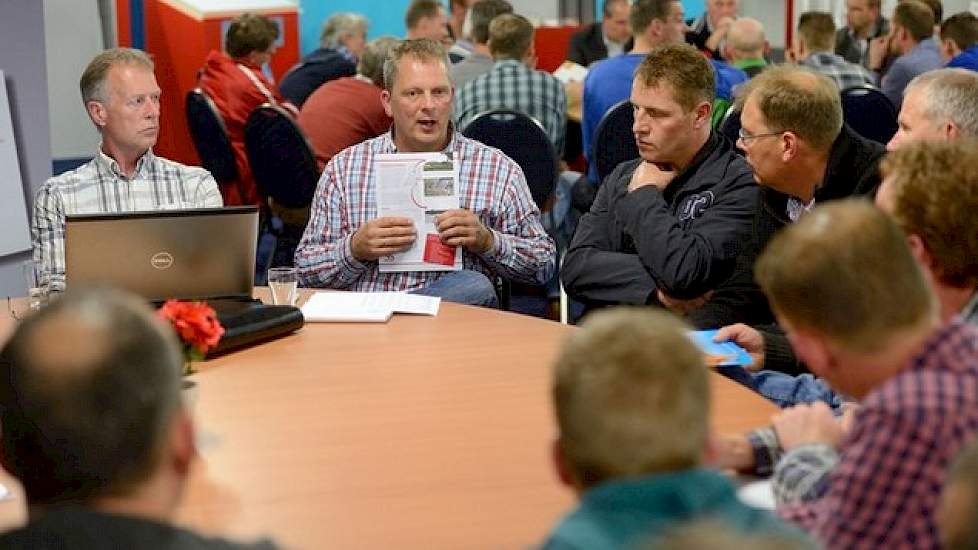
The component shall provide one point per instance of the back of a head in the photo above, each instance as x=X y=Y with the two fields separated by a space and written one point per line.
x=92 y=83
x=248 y=33
x=482 y=14
x=934 y=187
x=684 y=69
x=644 y=11
x=622 y=385
x=796 y=99
x=421 y=49
x=959 y=509
x=845 y=271
x=949 y=95
x=371 y=62
x=510 y=37
x=421 y=9
x=962 y=29
x=817 y=29
x=91 y=384
x=936 y=9
x=916 y=17
x=340 y=26
x=746 y=37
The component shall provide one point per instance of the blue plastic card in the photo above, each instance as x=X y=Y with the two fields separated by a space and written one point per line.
x=722 y=354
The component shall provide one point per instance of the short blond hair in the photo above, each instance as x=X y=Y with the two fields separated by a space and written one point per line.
x=684 y=68
x=845 y=271
x=92 y=83
x=935 y=190
x=798 y=100
x=631 y=396
x=422 y=49
x=510 y=36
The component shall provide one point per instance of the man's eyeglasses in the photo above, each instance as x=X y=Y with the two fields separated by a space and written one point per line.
x=746 y=136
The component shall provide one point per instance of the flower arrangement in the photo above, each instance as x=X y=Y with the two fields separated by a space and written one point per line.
x=197 y=326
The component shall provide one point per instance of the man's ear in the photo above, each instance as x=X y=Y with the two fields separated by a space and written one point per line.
x=703 y=113
x=385 y=100
x=711 y=449
x=814 y=351
x=920 y=253
x=97 y=112
x=789 y=146
x=951 y=131
x=564 y=473
x=182 y=442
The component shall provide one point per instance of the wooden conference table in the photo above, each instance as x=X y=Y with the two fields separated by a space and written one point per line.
x=425 y=432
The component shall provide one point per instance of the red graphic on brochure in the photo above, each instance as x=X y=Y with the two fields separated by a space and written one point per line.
x=437 y=252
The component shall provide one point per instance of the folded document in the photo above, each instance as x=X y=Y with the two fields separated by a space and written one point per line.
x=365 y=307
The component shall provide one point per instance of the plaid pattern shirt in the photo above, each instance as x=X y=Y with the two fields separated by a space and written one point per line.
x=845 y=74
x=490 y=185
x=100 y=187
x=883 y=492
x=512 y=85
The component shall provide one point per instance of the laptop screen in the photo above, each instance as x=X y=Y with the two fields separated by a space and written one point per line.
x=185 y=254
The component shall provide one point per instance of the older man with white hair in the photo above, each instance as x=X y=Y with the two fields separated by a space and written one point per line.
x=746 y=47
x=340 y=45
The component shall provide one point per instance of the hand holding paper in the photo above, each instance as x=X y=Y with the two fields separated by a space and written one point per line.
x=382 y=237
x=460 y=227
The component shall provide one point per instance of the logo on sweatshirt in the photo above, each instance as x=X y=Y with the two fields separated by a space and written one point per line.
x=694 y=205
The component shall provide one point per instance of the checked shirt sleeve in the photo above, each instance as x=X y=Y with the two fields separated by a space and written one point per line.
x=48 y=238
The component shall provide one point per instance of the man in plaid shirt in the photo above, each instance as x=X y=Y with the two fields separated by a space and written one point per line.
x=813 y=49
x=513 y=83
x=122 y=98
x=498 y=225
x=833 y=278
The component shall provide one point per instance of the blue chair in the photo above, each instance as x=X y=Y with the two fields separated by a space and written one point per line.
x=523 y=139
x=614 y=141
x=730 y=126
x=210 y=137
x=869 y=112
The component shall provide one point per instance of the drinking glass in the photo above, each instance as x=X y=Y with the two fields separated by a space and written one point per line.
x=283 y=285
x=36 y=295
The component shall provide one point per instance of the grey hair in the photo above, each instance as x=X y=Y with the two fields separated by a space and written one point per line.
x=92 y=82
x=423 y=49
x=371 y=62
x=341 y=25
x=951 y=95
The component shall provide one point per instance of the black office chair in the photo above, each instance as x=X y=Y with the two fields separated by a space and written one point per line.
x=523 y=139
x=614 y=141
x=210 y=137
x=869 y=112
x=730 y=127
x=281 y=158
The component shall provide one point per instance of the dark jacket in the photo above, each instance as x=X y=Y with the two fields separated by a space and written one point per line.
x=318 y=68
x=84 y=529
x=847 y=47
x=852 y=170
x=587 y=45
x=698 y=34
x=689 y=239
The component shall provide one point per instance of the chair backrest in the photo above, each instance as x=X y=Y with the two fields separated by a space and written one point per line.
x=869 y=112
x=730 y=126
x=280 y=157
x=614 y=141
x=210 y=137
x=523 y=139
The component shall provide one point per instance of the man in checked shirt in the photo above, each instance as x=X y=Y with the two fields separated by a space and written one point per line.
x=498 y=224
x=122 y=98
x=858 y=310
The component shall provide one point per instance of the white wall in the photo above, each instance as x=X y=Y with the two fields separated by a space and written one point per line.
x=73 y=35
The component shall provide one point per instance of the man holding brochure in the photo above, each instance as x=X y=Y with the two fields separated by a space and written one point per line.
x=422 y=208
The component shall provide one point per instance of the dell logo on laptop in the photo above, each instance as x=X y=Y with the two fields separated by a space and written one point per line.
x=161 y=260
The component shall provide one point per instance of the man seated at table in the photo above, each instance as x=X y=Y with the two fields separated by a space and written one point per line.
x=708 y=31
x=122 y=98
x=846 y=287
x=609 y=37
x=498 y=224
x=95 y=428
x=233 y=79
x=632 y=403
x=670 y=226
x=514 y=83
x=340 y=45
x=813 y=49
x=348 y=110
x=959 y=41
x=480 y=61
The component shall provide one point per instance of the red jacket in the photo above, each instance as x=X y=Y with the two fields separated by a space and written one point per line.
x=237 y=88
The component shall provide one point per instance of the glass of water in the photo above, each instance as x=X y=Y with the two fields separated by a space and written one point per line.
x=283 y=285
x=37 y=297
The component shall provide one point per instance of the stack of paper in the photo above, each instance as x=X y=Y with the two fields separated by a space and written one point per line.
x=365 y=307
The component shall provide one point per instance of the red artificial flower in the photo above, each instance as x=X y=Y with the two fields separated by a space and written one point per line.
x=195 y=322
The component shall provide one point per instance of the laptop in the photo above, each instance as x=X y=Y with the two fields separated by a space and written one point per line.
x=195 y=254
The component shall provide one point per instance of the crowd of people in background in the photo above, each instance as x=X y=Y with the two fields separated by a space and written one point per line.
x=847 y=268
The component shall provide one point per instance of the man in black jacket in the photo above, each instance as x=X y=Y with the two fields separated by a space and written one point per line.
x=673 y=226
x=609 y=37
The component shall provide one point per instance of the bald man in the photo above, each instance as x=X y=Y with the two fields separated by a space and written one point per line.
x=746 y=47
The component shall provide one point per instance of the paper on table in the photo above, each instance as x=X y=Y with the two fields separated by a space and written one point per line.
x=366 y=307
x=721 y=354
